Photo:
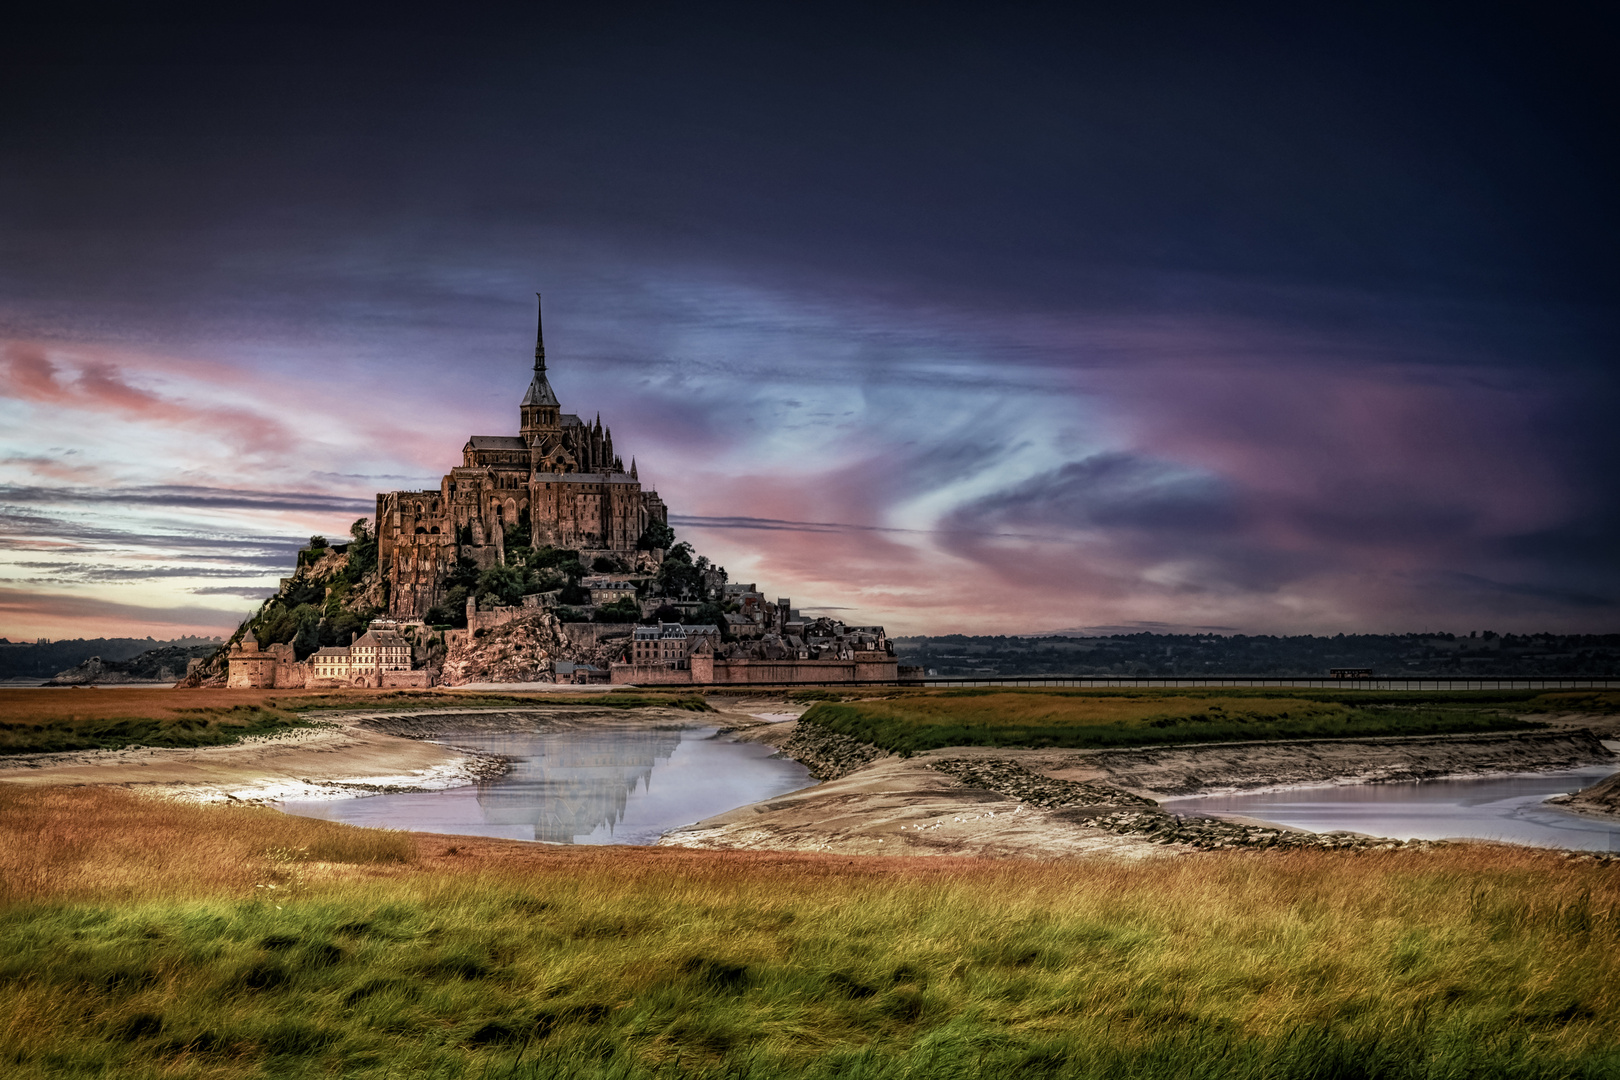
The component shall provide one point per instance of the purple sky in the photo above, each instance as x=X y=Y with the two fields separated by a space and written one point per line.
x=1263 y=321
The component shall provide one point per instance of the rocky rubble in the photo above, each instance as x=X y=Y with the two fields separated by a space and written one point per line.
x=520 y=651
x=1191 y=770
x=1017 y=782
x=1101 y=806
x=1210 y=834
x=827 y=754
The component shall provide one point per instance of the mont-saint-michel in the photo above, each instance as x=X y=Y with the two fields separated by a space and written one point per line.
x=556 y=484
x=540 y=558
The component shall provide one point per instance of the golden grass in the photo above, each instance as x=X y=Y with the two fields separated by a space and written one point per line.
x=136 y=939
x=105 y=844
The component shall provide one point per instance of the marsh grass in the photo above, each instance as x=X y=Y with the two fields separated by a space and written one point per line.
x=912 y=722
x=492 y=959
x=191 y=727
x=51 y=721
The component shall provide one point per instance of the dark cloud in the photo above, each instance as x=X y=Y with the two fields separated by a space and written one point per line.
x=1107 y=491
x=233 y=590
x=87 y=572
x=191 y=496
x=22 y=530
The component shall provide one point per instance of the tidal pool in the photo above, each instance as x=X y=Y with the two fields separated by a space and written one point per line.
x=1509 y=808
x=603 y=786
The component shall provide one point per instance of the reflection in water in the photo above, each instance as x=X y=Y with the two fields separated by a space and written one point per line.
x=572 y=785
x=602 y=786
x=1510 y=808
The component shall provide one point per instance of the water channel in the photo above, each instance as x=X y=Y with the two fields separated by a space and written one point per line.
x=623 y=785
x=604 y=786
x=1510 y=808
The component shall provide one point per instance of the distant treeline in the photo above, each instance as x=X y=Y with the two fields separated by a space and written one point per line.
x=1490 y=654
x=42 y=661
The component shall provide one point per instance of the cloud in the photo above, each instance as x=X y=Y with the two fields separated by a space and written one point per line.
x=235 y=590
x=27 y=530
x=195 y=496
x=28 y=373
x=105 y=573
x=65 y=608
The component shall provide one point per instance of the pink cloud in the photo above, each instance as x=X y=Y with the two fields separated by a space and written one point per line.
x=99 y=386
x=29 y=615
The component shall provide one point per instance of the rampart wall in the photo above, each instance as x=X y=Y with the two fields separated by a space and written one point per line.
x=705 y=671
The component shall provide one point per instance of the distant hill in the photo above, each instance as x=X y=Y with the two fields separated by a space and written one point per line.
x=1525 y=656
x=33 y=661
x=167 y=665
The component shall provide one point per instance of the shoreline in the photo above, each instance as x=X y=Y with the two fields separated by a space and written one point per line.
x=868 y=803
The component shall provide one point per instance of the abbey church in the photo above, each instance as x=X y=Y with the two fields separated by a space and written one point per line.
x=558 y=476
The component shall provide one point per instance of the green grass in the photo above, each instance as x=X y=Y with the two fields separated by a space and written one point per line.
x=139 y=939
x=185 y=727
x=50 y=721
x=909 y=723
x=410 y=700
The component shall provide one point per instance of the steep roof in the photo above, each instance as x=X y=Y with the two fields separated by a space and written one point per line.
x=497 y=442
x=376 y=638
x=540 y=391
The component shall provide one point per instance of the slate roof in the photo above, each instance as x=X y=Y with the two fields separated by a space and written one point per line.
x=540 y=392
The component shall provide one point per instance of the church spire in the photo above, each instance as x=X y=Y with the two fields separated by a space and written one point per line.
x=539 y=410
x=539 y=338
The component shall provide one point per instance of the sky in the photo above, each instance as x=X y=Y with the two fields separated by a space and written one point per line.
x=991 y=319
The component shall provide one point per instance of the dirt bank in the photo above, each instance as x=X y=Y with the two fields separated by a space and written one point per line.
x=349 y=754
x=1212 y=770
x=337 y=761
x=1602 y=799
x=1054 y=803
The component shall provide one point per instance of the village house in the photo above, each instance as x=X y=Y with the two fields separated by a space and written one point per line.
x=608 y=590
x=823 y=651
x=380 y=659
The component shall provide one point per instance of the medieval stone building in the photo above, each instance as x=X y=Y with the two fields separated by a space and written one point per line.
x=558 y=476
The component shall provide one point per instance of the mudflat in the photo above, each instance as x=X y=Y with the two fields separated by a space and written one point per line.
x=966 y=801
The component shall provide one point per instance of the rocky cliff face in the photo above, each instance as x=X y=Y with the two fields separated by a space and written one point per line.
x=521 y=651
x=332 y=593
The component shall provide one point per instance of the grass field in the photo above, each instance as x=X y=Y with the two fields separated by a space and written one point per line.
x=50 y=720
x=926 y=720
x=144 y=939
